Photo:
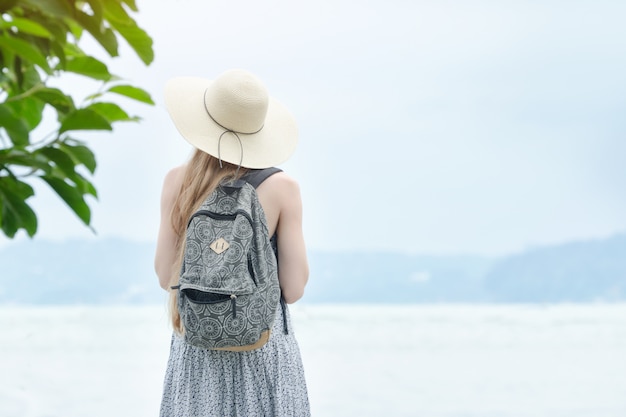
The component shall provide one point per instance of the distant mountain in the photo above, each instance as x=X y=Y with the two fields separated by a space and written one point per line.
x=578 y=271
x=98 y=271
x=382 y=277
x=120 y=271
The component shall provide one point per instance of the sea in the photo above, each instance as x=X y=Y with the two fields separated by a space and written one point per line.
x=427 y=360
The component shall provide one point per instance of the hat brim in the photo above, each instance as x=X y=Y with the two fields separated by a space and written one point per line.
x=271 y=146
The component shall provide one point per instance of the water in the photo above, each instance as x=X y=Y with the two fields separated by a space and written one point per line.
x=424 y=360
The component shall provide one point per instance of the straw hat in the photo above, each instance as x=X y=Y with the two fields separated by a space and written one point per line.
x=232 y=118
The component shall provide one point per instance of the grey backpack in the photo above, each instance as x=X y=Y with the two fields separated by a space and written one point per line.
x=228 y=288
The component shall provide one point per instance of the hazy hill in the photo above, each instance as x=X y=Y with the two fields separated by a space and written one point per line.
x=578 y=271
x=99 y=271
x=391 y=277
x=120 y=271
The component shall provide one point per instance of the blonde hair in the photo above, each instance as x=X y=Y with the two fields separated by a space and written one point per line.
x=202 y=175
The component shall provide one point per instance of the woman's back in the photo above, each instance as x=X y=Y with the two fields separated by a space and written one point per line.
x=235 y=126
x=279 y=196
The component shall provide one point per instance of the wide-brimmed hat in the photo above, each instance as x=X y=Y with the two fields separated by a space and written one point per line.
x=232 y=118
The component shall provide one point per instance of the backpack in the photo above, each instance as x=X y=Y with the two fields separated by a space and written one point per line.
x=228 y=289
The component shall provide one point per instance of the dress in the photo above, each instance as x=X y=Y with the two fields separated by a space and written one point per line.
x=266 y=382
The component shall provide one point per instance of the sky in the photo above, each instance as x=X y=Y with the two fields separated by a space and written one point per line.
x=447 y=127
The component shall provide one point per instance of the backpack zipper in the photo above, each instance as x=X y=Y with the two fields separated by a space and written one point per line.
x=233 y=299
x=251 y=271
x=220 y=216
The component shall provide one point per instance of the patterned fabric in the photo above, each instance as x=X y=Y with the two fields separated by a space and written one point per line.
x=229 y=288
x=266 y=382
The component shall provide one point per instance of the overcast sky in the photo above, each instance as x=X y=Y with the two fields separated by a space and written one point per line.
x=468 y=126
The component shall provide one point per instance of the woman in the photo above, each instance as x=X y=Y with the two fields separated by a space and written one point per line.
x=235 y=127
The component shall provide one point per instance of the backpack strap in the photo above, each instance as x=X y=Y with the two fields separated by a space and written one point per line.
x=256 y=176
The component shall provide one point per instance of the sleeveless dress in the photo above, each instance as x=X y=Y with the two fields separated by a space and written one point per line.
x=266 y=382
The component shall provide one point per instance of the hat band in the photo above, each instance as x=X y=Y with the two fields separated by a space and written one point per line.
x=222 y=126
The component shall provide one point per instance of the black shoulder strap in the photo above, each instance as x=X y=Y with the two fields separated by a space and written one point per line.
x=255 y=177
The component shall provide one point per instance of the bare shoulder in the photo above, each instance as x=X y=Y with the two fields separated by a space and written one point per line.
x=172 y=181
x=175 y=175
x=281 y=184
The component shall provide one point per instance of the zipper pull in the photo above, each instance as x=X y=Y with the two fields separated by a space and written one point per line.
x=233 y=298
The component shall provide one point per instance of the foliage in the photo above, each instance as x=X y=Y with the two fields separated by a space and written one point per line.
x=39 y=42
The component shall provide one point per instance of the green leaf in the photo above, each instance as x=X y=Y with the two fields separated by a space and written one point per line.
x=84 y=186
x=7 y=5
x=15 y=214
x=139 y=40
x=104 y=35
x=112 y=112
x=56 y=98
x=27 y=78
x=15 y=127
x=59 y=8
x=90 y=189
x=61 y=159
x=131 y=4
x=22 y=157
x=135 y=93
x=53 y=25
x=30 y=109
x=97 y=8
x=75 y=29
x=89 y=67
x=81 y=154
x=18 y=70
x=84 y=119
x=72 y=197
x=26 y=51
x=136 y=37
x=27 y=26
x=59 y=52
x=114 y=12
x=73 y=50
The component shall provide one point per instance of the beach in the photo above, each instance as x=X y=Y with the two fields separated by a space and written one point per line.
x=428 y=360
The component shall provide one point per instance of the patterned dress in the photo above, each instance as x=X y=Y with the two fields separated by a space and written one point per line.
x=267 y=382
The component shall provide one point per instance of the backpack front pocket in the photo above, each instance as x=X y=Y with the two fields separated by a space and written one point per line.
x=216 y=303
x=204 y=297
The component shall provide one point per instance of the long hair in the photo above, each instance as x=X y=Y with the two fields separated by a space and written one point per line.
x=202 y=175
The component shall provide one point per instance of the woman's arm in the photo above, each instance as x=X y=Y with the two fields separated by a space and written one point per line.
x=293 y=267
x=165 y=257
